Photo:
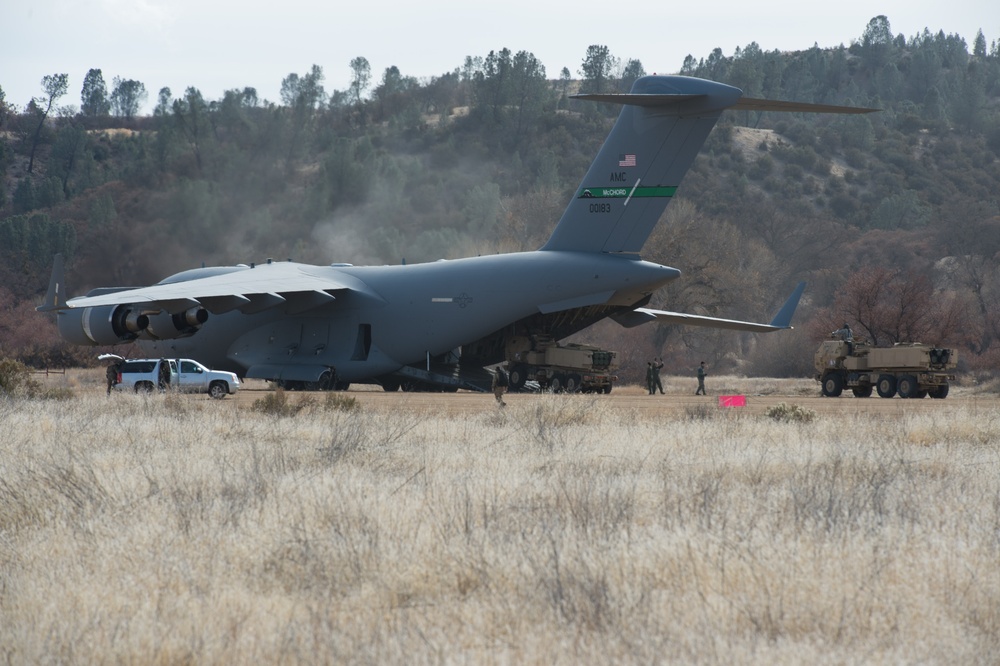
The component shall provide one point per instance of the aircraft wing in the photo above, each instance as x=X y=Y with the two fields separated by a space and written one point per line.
x=781 y=321
x=243 y=288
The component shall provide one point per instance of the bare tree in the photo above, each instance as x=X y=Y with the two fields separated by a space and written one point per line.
x=55 y=86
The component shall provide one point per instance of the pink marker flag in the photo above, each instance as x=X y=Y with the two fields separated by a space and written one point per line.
x=732 y=401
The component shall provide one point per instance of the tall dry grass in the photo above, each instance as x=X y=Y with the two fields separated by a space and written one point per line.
x=163 y=530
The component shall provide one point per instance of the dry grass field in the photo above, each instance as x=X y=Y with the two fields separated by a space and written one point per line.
x=426 y=528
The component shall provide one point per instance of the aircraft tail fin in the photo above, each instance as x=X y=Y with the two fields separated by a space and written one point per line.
x=55 y=298
x=663 y=124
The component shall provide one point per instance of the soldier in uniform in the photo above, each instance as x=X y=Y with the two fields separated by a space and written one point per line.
x=701 y=379
x=655 y=383
x=112 y=374
x=500 y=382
x=649 y=377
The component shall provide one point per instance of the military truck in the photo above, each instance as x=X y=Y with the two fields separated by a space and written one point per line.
x=910 y=369
x=568 y=368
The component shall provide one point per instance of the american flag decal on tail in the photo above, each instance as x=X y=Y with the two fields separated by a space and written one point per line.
x=626 y=160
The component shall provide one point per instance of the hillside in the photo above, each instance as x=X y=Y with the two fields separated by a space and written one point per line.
x=892 y=218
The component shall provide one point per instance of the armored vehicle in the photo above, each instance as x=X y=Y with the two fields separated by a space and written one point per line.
x=910 y=369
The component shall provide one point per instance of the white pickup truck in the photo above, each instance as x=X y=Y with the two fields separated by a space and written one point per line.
x=147 y=374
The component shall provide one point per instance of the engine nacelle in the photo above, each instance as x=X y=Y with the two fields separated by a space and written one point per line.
x=166 y=326
x=102 y=325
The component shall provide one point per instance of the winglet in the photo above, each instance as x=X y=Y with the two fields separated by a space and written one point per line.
x=55 y=298
x=784 y=317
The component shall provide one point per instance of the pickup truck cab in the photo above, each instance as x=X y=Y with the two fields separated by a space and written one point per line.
x=147 y=374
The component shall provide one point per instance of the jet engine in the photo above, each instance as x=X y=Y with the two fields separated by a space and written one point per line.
x=166 y=326
x=102 y=325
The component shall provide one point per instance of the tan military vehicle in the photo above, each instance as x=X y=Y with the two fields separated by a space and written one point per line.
x=909 y=369
x=569 y=368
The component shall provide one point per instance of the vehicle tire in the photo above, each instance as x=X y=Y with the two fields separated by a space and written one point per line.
x=144 y=387
x=907 y=386
x=607 y=389
x=390 y=385
x=573 y=383
x=886 y=386
x=218 y=390
x=518 y=376
x=340 y=385
x=939 y=392
x=862 y=391
x=833 y=385
x=921 y=394
x=558 y=383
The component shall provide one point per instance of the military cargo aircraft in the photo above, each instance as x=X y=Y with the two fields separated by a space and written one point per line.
x=439 y=323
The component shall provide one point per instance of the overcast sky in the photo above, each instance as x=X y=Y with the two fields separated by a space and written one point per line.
x=215 y=45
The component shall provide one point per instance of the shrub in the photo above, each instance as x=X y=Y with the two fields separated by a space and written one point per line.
x=276 y=404
x=791 y=413
x=15 y=379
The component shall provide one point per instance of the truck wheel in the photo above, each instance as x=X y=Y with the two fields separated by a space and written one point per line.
x=558 y=384
x=862 y=391
x=833 y=385
x=573 y=383
x=518 y=376
x=144 y=387
x=218 y=390
x=607 y=389
x=907 y=386
x=939 y=392
x=886 y=386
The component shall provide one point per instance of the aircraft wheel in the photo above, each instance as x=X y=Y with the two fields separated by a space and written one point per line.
x=218 y=390
x=341 y=385
x=886 y=386
x=390 y=385
x=907 y=386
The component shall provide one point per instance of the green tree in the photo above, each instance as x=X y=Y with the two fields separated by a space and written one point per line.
x=191 y=117
x=55 y=86
x=597 y=69
x=876 y=42
x=126 y=98
x=94 y=95
x=163 y=103
x=633 y=71
x=529 y=91
x=361 y=74
x=979 y=45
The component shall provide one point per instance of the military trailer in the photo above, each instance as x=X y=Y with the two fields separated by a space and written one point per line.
x=909 y=369
x=568 y=368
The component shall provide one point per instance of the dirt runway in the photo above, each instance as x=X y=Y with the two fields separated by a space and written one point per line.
x=635 y=399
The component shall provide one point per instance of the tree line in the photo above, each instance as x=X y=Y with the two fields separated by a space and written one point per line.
x=484 y=158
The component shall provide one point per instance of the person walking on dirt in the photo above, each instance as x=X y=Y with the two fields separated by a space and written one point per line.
x=500 y=383
x=701 y=379
x=649 y=377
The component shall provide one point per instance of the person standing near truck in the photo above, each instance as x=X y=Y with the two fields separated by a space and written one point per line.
x=701 y=379
x=112 y=375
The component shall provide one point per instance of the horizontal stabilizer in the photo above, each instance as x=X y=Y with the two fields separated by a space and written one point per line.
x=781 y=321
